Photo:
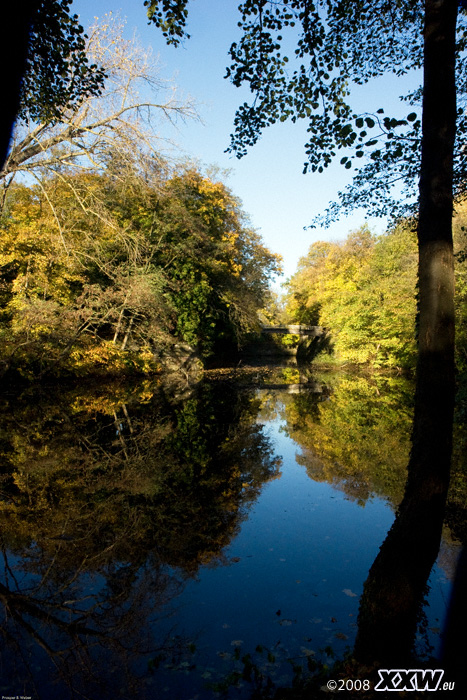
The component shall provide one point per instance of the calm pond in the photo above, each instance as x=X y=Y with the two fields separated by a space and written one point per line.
x=170 y=541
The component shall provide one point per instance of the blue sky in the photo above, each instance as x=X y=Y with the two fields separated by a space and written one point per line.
x=278 y=198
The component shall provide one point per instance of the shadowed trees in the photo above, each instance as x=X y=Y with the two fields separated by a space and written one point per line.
x=109 y=501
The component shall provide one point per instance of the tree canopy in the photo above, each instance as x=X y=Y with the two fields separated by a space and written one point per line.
x=363 y=291
x=114 y=254
x=96 y=265
x=117 y=119
x=48 y=68
x=58 y=73
x=300 y=59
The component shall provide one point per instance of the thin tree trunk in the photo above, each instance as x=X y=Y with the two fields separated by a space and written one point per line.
x=120 y=318
x=119 y=325
x=127 y=334
x=128 y=419
x=395 y=585
x=121 y=437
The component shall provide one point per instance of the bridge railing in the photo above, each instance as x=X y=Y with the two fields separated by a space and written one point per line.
x=294 y=329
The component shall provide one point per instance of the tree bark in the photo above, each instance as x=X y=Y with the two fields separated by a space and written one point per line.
x=395 y=585
x=434 y=400
x=14 y=33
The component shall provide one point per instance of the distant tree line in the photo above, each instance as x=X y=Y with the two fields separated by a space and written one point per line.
x=364 y=291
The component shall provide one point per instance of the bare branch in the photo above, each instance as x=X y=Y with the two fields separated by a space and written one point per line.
x=126 y=117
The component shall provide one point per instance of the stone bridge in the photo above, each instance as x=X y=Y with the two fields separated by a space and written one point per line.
x=299 y=329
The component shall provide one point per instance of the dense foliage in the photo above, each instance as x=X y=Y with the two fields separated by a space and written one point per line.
x=110 y=269
x=364 y=291
x=58 y=73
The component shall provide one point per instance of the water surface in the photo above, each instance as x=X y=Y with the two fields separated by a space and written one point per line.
x=166 y=538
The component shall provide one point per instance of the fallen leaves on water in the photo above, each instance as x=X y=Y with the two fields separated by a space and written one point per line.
x=348 y=592
x=340 y=635
x=307 y=652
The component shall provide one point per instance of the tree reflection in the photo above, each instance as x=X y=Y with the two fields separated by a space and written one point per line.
x=87 y=631
x=359 y=441
x=391 y=606
x=373 y=415
x=109 y=502
x=393 y=594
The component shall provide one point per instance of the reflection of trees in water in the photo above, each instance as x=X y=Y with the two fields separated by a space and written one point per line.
x=359 y=440
x=85 y=630
x=391 y=607
x=107 y=505
x=110 y=501
x=393 y=595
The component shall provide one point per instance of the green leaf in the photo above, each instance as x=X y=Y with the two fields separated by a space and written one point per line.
x=346 y=130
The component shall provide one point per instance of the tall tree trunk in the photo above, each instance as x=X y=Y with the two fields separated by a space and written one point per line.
x=434 y=398
x=395 y=585
x=14 y=40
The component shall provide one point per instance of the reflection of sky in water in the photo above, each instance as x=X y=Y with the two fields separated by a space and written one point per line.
x=297 y=570
x=292 y=585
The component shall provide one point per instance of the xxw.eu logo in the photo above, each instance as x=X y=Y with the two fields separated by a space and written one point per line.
x=412 y=679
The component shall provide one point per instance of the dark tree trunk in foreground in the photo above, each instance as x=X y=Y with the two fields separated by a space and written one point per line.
x=14 y=37
x=434 y=400
x=395 y=585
